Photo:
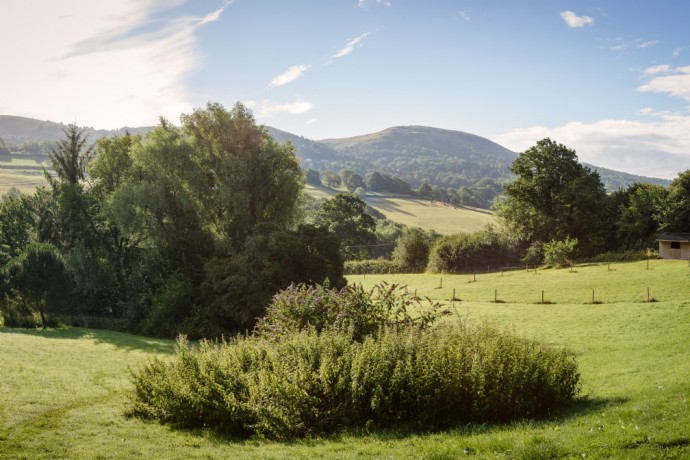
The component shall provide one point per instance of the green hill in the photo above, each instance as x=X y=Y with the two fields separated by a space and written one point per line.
x=472 y=167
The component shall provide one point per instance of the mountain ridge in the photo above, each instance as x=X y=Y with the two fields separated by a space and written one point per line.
x=417 y=154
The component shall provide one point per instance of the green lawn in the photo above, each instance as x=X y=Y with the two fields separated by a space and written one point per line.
x=64 y=391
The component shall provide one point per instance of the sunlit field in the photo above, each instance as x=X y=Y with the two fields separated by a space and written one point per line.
x=64 y=391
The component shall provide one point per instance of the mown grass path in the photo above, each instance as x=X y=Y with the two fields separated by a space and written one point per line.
x=63 y=392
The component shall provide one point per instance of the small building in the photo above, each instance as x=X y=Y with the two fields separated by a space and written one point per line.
x=674 y=245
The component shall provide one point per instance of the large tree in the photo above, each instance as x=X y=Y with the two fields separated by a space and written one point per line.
x=345 y=215
x=554 y=197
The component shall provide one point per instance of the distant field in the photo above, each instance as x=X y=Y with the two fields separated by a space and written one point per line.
x=24 y=173
x=64 y=391
x=417 y=212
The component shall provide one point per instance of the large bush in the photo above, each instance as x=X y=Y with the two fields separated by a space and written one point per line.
x=468 y=252
x=310 y=384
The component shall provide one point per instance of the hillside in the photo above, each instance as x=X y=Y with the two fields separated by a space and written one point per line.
x=417 y=212
x=471 y=167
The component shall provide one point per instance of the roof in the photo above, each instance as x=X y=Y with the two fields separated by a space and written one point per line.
x=674 y=236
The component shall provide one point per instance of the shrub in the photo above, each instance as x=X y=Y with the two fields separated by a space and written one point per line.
x=310 y=384
x=351 y=310
x=370 y=267
x=467 y=252
x=558 y=254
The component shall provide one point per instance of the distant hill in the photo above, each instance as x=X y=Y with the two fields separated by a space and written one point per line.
x=471 y=165
x=19 y=130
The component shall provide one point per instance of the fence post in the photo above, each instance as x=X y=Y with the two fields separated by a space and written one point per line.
x=495 y=295
x=542 y=296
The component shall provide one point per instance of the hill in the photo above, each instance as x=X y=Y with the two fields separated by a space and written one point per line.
x=441 y=217
x=464 y=168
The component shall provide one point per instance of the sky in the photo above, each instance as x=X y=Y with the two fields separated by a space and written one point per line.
x=609 y=79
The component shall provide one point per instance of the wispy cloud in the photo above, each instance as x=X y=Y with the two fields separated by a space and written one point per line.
x=349 y=47
x=363 y=3
x=297 y=107
x=290 y=75
x=109 y=64
x=574 y=21
x=657 y=69
x=621 y=46
x=675 y=82
x=463 y=15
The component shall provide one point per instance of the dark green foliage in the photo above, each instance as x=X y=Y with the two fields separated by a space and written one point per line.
x=38 y=279
x=470 y=252
x=411 y=253
x=370 y=267
x=70 y=157
x=554 y=197
x=379 y=182
x=345 y=215
x=17 y=221
x=312 y=177
x=308 y=384
x=238 y=288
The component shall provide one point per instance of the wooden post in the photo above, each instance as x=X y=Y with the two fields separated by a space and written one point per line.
x=542 y=296
x=592 y=296
x=495 y=295
x=415 y=293
x=453 y=298
x=474 y=277
x=647 y=294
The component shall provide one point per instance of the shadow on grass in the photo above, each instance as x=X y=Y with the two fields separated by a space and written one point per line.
x=118 y=339
x=582 y=407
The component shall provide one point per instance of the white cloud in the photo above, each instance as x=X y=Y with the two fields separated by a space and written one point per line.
x=657 y=69
x=349 y=47
x=296 y=107
x=660 y=148
x=573 y=20
x=463 y=15
x=363 y=3
x=648 y=44
x=107 y=64
x=676 y=82
x=290 y=75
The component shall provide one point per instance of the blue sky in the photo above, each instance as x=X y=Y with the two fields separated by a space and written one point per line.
x=610 y=79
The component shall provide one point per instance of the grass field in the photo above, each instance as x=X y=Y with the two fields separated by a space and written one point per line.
x=64 y=391
x=416 y=212
x=24 y=174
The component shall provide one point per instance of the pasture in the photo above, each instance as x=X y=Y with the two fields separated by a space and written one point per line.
x=64 y=391
x=22 y=172
x=417 y=212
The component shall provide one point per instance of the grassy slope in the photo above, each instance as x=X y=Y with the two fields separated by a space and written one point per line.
x=415 y=212
x=63 y=391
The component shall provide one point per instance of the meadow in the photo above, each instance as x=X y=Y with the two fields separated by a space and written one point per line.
x=64 y=391
x=417 y=212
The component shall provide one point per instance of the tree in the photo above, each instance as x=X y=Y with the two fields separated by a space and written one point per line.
x=639 y=215
x=351 y=180
x=17 y=222
x=345 y=215
x=554 y=197
x=312 y=177
x=38 y=275
x=675 y=213
x=70 y=157
x=411 y=253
